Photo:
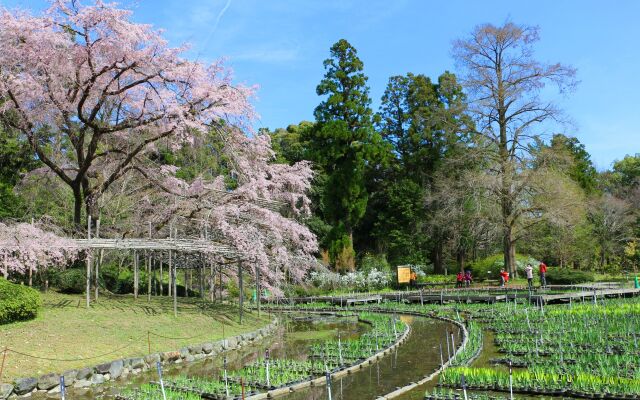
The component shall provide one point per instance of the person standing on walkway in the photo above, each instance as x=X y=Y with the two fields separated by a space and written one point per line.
x=529 y=270
x=543 y=274
x=467 y=278
x=460 y=279
x=504 y=277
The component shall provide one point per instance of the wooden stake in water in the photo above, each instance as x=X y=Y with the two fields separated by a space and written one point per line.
x=441 y=357
x=226 y=381
x=510 y=381
x=328 y=377
x=340 y=349
x=453 y=347
x=395 y=331
x=463 y=383
x=63 y=394
x=448 y=351
x=159 y=367
x=266 y=357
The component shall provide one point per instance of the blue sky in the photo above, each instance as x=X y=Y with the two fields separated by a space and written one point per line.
x=280 y=45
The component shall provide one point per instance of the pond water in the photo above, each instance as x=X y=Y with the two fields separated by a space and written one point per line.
x=417 y=357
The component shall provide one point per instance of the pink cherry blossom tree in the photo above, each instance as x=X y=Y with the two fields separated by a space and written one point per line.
x=25 y=248
x=94 y=93
x=97 y=95
x=260 y=218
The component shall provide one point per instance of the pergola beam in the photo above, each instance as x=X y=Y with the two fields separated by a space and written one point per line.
x=180 y=245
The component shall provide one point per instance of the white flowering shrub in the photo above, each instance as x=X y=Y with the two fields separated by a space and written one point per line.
x=356 y=281
x=377 y=279
x=325 y=279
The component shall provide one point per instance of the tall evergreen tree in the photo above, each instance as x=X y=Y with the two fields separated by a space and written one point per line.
x=342 y=143
x=423 y=121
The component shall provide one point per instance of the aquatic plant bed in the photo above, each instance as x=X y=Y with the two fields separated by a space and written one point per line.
x=448 y=394
x=585 y=350
x=206 y=388
x=279 y=376
x=153 y=392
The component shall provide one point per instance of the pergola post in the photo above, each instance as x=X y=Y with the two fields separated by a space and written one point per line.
x=98 y=261
x=258 y=289
x=241 y=295
x=201 y=276
x=148 y=262
x=88 y=262
x=160 y=260
x=212 y=282
x=170 y=291
x=172 y=272
x=136 y=277
x=186 y=282
x=220 y=284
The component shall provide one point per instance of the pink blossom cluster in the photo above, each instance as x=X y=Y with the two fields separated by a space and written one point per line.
x=25 y=247
x=87 y=76
x=252 y=218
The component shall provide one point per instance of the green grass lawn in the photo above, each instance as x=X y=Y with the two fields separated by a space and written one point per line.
x=118 y=325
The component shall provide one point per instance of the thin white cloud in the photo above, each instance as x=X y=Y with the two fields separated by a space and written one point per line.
x=269 y=56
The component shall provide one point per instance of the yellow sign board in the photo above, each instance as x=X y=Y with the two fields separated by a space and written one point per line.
x=404 y=274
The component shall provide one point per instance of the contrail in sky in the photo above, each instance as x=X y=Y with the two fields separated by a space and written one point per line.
x=215 y=26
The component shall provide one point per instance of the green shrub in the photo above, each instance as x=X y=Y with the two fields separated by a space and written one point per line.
x=568 y=276
x=489 y=267
x=17 y=302
x=374 y=261
x=436 y=279
x=72 y=281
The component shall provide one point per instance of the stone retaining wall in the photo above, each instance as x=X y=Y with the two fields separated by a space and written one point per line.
x=121 y=369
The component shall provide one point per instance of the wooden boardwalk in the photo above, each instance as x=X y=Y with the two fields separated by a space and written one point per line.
x=488 y=295
x=585 y=295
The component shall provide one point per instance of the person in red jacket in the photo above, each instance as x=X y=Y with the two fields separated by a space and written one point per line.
x=459 y=279
x=504 y=277
x=543 y=274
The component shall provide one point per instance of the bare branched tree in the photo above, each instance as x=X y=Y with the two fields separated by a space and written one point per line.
x=504 y=83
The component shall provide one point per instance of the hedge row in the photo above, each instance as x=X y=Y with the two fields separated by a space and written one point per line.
x=17 y=302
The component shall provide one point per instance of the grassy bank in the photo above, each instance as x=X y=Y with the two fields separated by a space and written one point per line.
x=66 y=335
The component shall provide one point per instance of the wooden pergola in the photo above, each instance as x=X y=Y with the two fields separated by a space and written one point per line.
x=172 y=247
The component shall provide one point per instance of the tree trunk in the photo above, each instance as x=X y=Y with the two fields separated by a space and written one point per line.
x=460 y=258
x=437 y=258
x=509 y=249
x=77 y=205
